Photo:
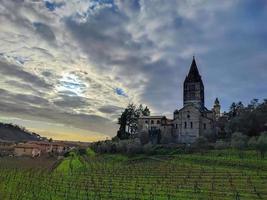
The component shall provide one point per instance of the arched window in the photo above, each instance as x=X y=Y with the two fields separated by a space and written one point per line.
x=158 y=122
x=152 y=121
x=176 y=126
x=146 y=122
x=191 y=124
x=204 y=126
x=185 y=124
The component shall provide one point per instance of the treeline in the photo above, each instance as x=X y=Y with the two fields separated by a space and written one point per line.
x=250 y=120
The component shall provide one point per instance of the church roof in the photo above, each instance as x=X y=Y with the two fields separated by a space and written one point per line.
x=193 y=75
x=217 y=101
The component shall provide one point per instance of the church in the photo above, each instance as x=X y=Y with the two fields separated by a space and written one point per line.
x=189 y=122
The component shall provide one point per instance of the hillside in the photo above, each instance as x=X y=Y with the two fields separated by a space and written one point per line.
x=15 y=133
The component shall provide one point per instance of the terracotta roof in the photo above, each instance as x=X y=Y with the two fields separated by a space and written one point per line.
x=152 y=117
x=27 y=146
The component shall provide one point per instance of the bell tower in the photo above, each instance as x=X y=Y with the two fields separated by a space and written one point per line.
x=193 y=87
x=217 y=109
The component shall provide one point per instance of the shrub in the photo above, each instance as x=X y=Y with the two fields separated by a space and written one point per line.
x=252 y=142
x=210 y=136
x=134 y=147
x=122 y=146
x=261 y=145
x=220 y=144
x=239 y=142
x=148 y=149
x=201 y=143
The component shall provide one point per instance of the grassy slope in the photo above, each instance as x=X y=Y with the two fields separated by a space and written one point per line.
x=213 y=175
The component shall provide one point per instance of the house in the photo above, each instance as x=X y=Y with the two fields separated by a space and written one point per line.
x=6 y=147
x=50 y=147
x=25 y=149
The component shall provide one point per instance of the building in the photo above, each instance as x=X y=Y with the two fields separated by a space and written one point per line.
x=193 y=119
x=26 y=149
x=36 y=148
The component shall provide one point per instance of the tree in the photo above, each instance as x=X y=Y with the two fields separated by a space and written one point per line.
x=249 y=120
x=128 y=120
x=261 y=145
x=232 y=111
x=239 y=142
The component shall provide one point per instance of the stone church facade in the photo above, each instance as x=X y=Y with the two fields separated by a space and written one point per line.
x=189 y=122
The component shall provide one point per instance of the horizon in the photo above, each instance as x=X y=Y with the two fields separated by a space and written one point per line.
x=68 y=69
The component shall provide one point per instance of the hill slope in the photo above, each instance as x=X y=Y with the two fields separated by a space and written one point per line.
x=15 y=133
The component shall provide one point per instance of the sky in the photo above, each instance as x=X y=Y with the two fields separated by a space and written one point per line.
x=69 y=68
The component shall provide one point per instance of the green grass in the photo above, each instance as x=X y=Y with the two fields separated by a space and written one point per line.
x=211 y=175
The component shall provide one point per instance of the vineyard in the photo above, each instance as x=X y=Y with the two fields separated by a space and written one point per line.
x=212 y=175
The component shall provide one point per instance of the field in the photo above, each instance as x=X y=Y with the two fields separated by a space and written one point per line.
x=211 y=175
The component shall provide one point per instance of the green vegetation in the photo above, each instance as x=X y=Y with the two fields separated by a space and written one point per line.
x=216 y=174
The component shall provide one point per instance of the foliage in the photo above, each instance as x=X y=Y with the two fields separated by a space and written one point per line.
x=128 y=120
x=221 y=144
x=252 y=142
x=250 y=119
x=201 y=143
x=261 y=145
x=239 y=141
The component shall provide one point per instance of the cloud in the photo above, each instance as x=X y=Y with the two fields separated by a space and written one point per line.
x=10 y=70
x=110 y=109
x=44 y=30
x=85 y=60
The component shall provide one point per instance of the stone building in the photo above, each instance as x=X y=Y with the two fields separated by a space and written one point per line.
x=191 y=121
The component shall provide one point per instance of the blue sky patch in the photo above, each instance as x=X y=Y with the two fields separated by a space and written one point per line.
x=120 y=92
x=52 y=5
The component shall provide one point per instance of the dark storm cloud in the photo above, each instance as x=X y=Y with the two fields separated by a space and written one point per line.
x=110 y=109
x=24 y=86
x=10 y=70
x=38 y=108
x=224 y=45
x=71 y=101
x=44 y=30
x=135 y=50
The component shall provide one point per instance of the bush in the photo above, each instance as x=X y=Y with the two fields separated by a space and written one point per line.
x=134 y=147
x=220 y=144
x=261 y=145
x=252 y=142
x=201 y=143
x=210 y=136
x=122 y=146
x=148 y=149
x=239 y=142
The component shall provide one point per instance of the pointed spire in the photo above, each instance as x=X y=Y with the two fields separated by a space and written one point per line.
x=217 y=102
x=193 y=75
